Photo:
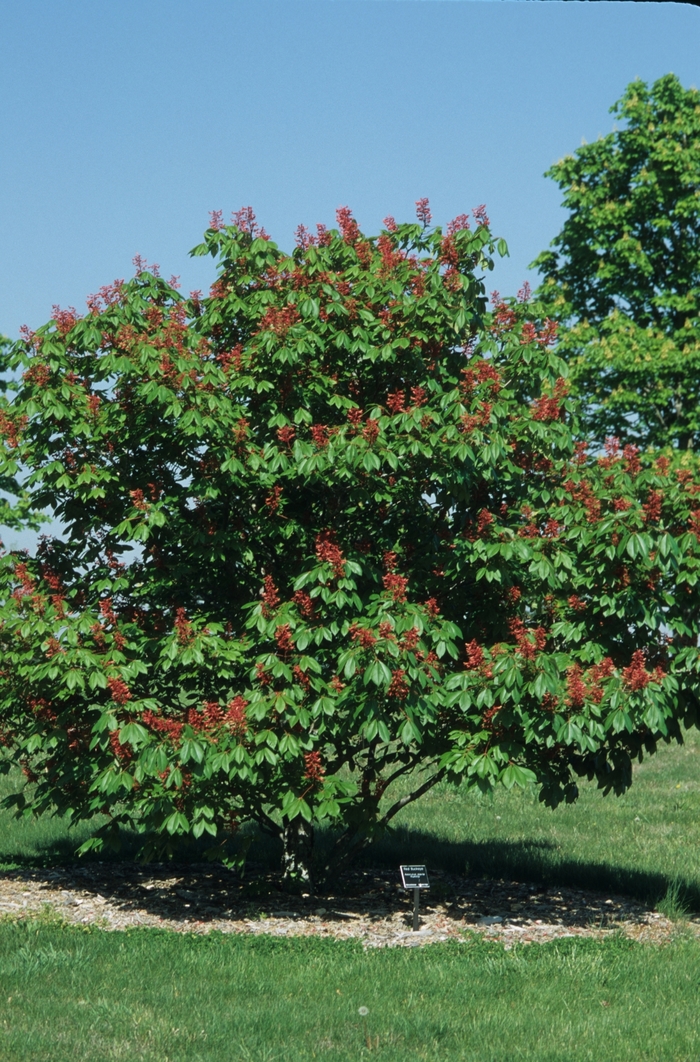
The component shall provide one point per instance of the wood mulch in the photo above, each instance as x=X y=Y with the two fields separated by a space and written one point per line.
x=368 y=905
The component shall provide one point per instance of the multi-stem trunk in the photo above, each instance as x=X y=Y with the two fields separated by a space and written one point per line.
x=297 y=850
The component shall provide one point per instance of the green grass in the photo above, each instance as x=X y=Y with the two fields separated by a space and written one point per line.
x=71 y=995
x=81 y=995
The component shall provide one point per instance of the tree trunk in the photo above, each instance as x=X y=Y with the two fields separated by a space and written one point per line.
x=297 y=848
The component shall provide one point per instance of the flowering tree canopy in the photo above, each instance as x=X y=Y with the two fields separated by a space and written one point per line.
x=624 y=274
x=326 y=529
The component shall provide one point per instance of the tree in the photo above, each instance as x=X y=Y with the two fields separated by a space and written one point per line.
x=624 y=274
x=327 y=529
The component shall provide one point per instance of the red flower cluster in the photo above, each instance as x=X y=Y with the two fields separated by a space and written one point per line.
x=138 y=500
x=328 y=551
x=122 y=752
x=65 y=319
x=529 y=642
x=286 y=434
x=361 y=635
x=370 y=432
x=470 y=421
x=272 y=500
x=548 y=335
x=483 y=522
x=228 y=358
x=396 y=402
x=398 y=688
x=314 y=770
x=320 y=433
x=119 y=690
x=390 y=560
x=528 y=333
x=576 y=603
x=409 y=639
x=279 y=319
x=349 y=229
x=390 y=256
x=283 y=637
x=694 y=523
x=244 y=219
x=38 y=374
x=269 y=595
x=636 y=676
x=42 y=710
x=235 y=717
x=183 y=627
x=261 y=674
x=632 y=463
x=583 y=492
x=304 y=603
x=161 y=724
x=355 y=416
x=488 y=720
x=475 y=659
x=396 y=585
x=301 y=677
x=11 y=428
x=575 y=687
x=26 y=581
x=457 y=224
x=240 y=431
x=548 y=407
x=423 y=211
x=432 y=607
x=475 y=656
x=479 y=213
x=652 y=506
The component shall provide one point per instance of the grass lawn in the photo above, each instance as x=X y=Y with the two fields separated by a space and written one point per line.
x=83 y=995
x=73 y=995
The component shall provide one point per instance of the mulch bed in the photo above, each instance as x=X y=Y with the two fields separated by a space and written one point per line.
x=368 y=905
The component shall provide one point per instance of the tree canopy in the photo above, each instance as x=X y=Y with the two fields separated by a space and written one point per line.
x=326 y=529
x=624 y=272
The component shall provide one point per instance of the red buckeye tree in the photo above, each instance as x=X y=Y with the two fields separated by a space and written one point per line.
x=326 y=529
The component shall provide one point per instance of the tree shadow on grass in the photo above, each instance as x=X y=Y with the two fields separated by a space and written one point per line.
x=536 y=861
x=533 y=861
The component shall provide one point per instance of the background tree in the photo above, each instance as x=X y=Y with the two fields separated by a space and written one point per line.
x=624 y=274
x=327 y=529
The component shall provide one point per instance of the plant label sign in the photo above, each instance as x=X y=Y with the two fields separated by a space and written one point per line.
x=414 y=877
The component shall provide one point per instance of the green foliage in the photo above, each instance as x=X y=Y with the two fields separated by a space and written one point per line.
x=625 y=270
x=15 y=511
x=151 y=996
x=325 y=527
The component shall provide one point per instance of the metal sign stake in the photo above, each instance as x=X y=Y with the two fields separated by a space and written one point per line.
x=414 y=878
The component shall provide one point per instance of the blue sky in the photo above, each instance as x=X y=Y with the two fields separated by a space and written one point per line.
x=124 y=123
